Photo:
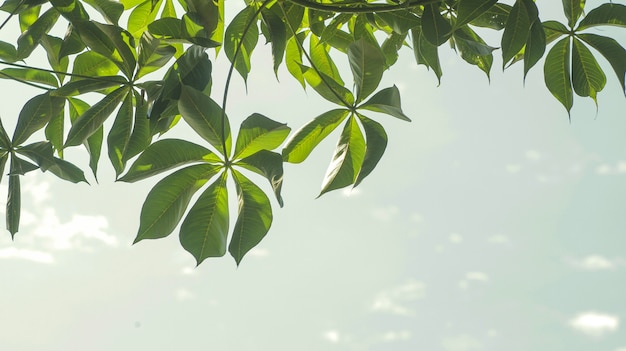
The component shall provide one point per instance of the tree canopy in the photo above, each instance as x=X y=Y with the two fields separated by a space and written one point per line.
x=148 y=63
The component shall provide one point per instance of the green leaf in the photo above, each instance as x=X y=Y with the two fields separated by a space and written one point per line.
x=110 y=41
x=140 y=17
x=30 y=75
x=469 y=10
x=204 y=116
x=612 y=52
x=29 y=40
x=258 y=132
x=119 y=135
x=52 y=45
x=90 y=121
x=268 y=164
x=167 y=201
x=523 y=15
x=168 y=27
x=91 y=63
x=375 y=148
x=4 y=156
x=5 y=141
x=556 y=73
x=386 y=101
x=587 y=76
x=573 y=9
x=604 y=15
x=93 y=144
x=55 y=131
x=494 y=18
x=303 y=141
x=28 y=16
x=436 y=28
x=71 y=44
x=140 y=138
x=553 y=30
x=254 y=218
x=278 y=36
x=240 y=43
x=367 y=64
x=400 y=21
x=35 y=115
x=327 y=87
x=392 y=44
x=347 y=160
x=41 y=152
x=204 y=232
x=473 y=49
x=426 y=53
x=153 y=55
x=83 y=86
x=194 y=31
x=13 y=202
x=72 y=10
x=293 y=57
x=110 y=10
x=8 y=52
x=20 y=166
x=164 y=155
x=535 y=46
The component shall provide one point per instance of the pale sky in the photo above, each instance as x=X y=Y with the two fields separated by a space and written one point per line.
x=492 y=223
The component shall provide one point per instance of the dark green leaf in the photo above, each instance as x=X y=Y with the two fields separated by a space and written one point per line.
x=278 y=36
x=258 y=132
x=4 y=156
x=110 y=41
x=268 y=164
x=8 y=52
x=426 y=53
x=535 y=46
x=72 y=10
x=468 y=10
x=375 y=148
x=140 y=137
x=473 y=49
x=367 y=64
x=522 y=16
x=400 y=21
x=204 y=232
x=35 y=115
x=435 y=27
x=494 y=18
x=164 y=155
x=347 y=160
x=93 y=144
x=83 y=86
x=153 y=55
x=254 y=218
x=553 y=30
x=5 y=141
x=303 y=141
x=391 y=46
x=241 y=44
x=20 y=166
x=612 y=52
x=119 y=135
x=573 y=9
x=604 y=15
x=55 y=131
x=167 y=201
x=587 y=76
x=167 y=27
x=13 y=204
x=110 y=10
x=556 y=73
x=386 y=101
x=41 y=152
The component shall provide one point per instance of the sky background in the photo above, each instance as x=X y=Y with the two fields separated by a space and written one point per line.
x=492 y=223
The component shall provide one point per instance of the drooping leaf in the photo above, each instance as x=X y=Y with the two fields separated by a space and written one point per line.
x=469 y=10
x=4 y=156
x=55 y=130
x=8 y=52
x=41 y=152
x=90 y=121
x=535 y=46
x=435 y=27
x=5 y=141
x=587 y=76
x=400 y=21
x=386 y=101
x=83 y=86
x=204 y=116
x=376 y=143
x=556 y=73
x=167 y=201
x=13 y=202
x=278 y=36
x=573 y=9
x=20 y=166
x=302 y=142
x=30 y=75
x=426 y=53
x=164 y=155
x=268 y=164
x=494 y=18
x=612 y=51
x=241 y=38
x=204 y=232
x=347 y=160
x=119 y=135
x=368 y=65
x=93 y=144
x=258 y=132
x=140 y=137
x=473 y=49
x=293 y=57
x=110 y=41
x=72 y=10
x=253 y=220
x=35 y=114
x=604 y=15
x=523 y=14
x=327 y=87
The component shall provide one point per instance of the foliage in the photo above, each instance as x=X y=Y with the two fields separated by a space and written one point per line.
x=147 y=62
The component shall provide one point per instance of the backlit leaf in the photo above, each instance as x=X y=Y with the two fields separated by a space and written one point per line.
x=605 y=15
x=367 y=64
x=376 y=143
x=386 y=101
x=587 y=76
x=258 y=132
x=468 y=10
x=268 y=164
x=612 y=52
x=35 y=114
x=556 y=73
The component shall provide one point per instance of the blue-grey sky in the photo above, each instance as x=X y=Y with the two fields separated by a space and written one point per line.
x=492 y=223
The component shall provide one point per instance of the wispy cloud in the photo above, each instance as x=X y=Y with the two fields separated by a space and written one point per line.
x=463 y=342
x=455 y=238
x=332 y=336
x=533 y=155
x=385 y=214
x=499 y=239
x=76 y=233
x=594 y=323
x=25 y=254
x=479 y=277
x=396 y=299
x=595 y=262
x=396 y=335
x=183 y=294
x=606 y=169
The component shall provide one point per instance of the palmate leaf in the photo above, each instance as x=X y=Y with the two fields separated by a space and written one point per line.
x=604 y=15
x=164 y=155
x=29 y=40
x=30 y=75
x=236 y=40
x=110 y=41
x=91 y=63
x=92 y=119
x=20 y=166
x=347 y=159
x=367 y=64
x=557 y=75
x=587 y=76
x=327 y=87
x=376 y=139
x=321 y=60
x=573 y=9
x=436 y=28
x=386 y=101
x=140 y=17
x=523 y=14
x=426 y=53
x=258 y=132
x=204 y=232
x=468 y=10
x=612 y=51
x=35 y=114
x=253 y=220
x=303 y=141
x=268 y=164
x=167 y=201
x=41 y=153
x=204 y=116
x=473 y=49
x=153 y=55
x=494 y=18
x=278 y=36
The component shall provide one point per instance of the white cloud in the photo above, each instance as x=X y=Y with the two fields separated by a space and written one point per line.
x=499 y=239
x=188 y=271
x=533 y=155
x=399 y=335
x=461 y=342
x=25 y=254
x=258 y=252
x=416 y=217
x=455 y=238
x=606 y=169
x=39 y=190
x=595 y=263
x=332 y=336
x=477 y=276
x=73 y=234
x=350 y=192
x=594 y=323
x=513 y=168
x=183 y=294
x=394 y=300
x=385 y=213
